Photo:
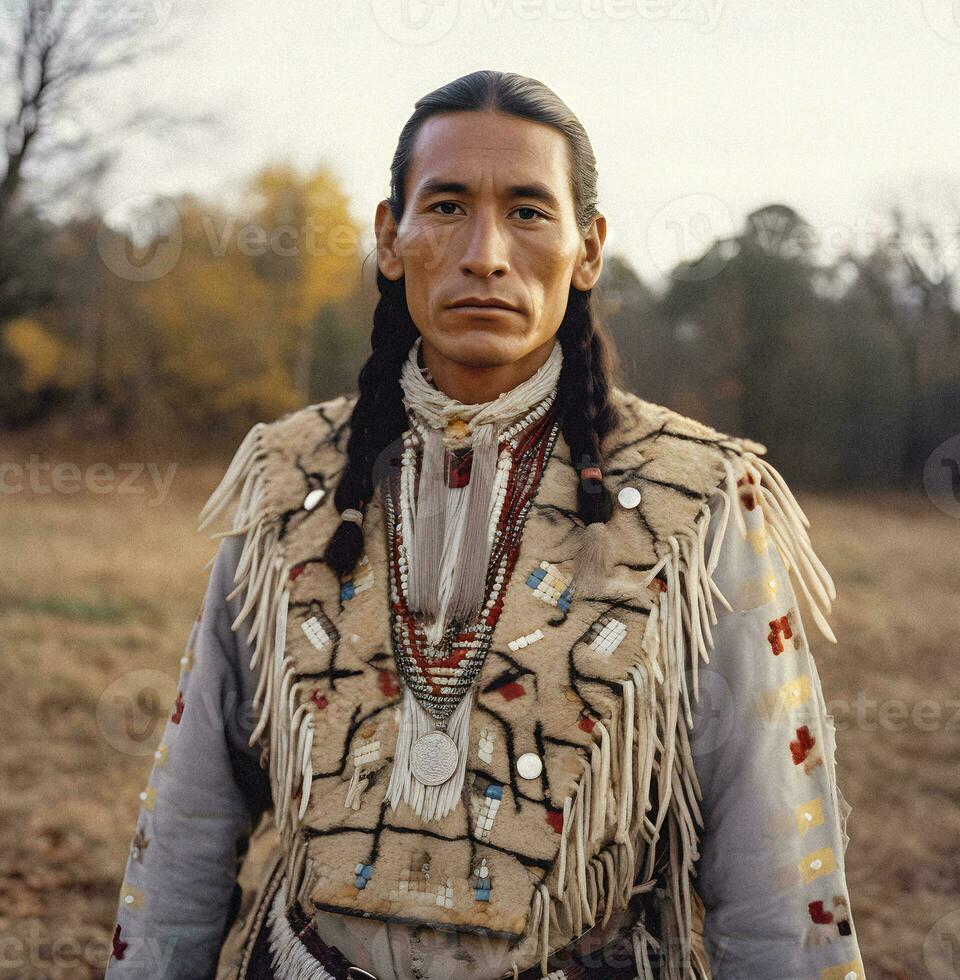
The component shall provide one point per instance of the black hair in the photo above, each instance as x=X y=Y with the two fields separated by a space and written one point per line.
x=583 y=401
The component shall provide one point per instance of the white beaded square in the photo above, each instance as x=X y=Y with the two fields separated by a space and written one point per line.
x=366 y=752
x=609 y=634
x=315 y=632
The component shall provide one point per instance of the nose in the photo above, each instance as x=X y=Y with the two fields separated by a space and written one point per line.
x=486 y=250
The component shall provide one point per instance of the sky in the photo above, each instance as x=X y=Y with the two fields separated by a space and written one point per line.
x=698 y=110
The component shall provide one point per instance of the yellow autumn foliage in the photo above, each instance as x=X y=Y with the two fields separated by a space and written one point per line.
x=233 y=323
x=45 y=360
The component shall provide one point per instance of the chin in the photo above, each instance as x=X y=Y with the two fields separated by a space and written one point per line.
x=480 y=341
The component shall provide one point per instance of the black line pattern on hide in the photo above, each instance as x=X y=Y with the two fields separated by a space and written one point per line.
x=352 y=729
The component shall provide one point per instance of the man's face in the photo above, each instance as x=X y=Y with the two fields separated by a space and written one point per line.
x=489 y=213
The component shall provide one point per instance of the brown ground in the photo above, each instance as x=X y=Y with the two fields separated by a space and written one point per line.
x=94 y=585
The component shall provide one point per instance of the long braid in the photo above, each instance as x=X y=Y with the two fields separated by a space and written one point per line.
x=583 y=398
x=378 y=419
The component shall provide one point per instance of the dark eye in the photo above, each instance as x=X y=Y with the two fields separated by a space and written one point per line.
x=446 y=204
x=533 y=211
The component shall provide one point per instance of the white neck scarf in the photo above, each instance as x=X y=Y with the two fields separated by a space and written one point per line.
x=448 y=535
x=464 y=540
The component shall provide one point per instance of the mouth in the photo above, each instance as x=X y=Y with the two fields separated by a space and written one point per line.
x=474 y=304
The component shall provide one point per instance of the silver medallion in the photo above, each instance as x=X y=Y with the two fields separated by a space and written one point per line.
x=433 y=758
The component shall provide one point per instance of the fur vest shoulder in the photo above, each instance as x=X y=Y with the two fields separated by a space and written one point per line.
x=596 y=685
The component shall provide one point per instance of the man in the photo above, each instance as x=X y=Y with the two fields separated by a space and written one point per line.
x=471 y=603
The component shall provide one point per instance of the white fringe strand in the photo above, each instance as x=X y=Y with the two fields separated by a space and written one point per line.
x=650 y=739
x=290 y=959
x=262 y=577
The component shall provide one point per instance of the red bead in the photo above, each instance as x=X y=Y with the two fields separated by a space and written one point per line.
x=555 y=819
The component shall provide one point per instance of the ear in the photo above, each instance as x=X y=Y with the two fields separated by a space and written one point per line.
x=388 y=256
x=589 y=263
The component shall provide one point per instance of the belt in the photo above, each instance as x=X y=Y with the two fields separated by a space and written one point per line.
x=614 y=961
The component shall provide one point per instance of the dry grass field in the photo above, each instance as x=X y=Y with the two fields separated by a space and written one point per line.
x=95 y=585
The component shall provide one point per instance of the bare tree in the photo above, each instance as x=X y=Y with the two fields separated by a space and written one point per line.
x=912 y=283
x=57 y=57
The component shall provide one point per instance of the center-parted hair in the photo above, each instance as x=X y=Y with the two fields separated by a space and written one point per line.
x=379 y=417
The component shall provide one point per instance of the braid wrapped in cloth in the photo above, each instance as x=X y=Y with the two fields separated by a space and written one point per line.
x=615 y=811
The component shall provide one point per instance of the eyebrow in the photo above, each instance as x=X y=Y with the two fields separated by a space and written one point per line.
x=535 y=191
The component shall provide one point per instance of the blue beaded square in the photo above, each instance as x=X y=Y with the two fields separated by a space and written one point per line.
x=363 y=874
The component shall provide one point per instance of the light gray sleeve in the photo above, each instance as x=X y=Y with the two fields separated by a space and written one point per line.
x=203 y=798
x=771 y=868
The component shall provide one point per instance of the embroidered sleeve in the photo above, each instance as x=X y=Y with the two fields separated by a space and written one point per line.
x=203 y=798
x=771 y=868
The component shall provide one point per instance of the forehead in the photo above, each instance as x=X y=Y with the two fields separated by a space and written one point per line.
x=489 y=150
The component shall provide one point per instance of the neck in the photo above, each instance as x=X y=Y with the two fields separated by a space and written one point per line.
x=475 y=385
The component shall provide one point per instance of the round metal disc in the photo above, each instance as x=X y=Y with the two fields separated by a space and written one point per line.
x=529 y=765
x=433 y=758
x=629 y=497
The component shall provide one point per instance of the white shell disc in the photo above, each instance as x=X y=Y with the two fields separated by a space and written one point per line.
x=529 y=765
x=433 y=758
x=629 y=497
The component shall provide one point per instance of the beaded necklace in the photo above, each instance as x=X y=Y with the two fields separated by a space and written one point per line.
x=428 y=769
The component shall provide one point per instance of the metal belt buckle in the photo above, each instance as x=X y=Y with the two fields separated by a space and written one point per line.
x=355 y=973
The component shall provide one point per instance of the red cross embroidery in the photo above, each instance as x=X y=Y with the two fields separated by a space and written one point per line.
x=779 y=631
x=819 y=914
x=800 y=749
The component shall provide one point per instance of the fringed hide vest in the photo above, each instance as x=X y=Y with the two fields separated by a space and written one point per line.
x=595 y=685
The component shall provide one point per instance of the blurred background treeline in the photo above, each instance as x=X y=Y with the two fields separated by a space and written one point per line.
x=190 y=319
x=215 y=320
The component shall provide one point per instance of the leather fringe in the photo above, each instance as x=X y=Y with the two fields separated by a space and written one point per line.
x=649 y=741
x=289 y=957
x=263 y=575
